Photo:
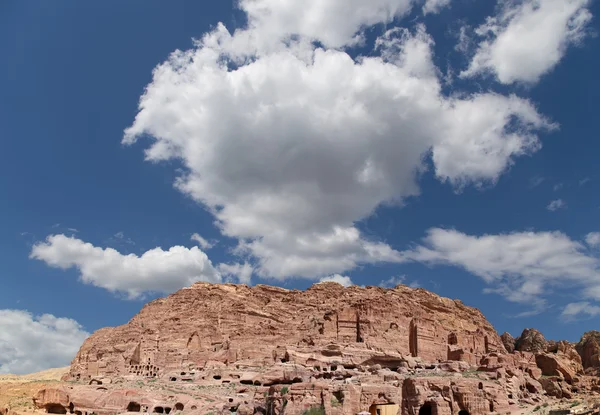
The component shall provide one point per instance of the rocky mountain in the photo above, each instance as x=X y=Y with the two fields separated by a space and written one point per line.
x=233 y=348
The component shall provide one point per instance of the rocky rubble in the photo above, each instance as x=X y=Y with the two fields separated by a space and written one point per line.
x=232 y=348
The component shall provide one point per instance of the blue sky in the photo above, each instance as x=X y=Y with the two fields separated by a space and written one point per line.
x=446 y=144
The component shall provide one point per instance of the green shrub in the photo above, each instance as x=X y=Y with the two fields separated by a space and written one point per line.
x=315 y=410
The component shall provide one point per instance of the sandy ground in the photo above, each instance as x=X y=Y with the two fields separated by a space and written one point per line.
x=16 y=391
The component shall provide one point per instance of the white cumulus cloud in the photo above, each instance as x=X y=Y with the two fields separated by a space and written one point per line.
x=288 y=160
x=340 y=279
x=521 y=266
x=527 y=38
x=31 y=343
x=334 y=23
x=155 y=270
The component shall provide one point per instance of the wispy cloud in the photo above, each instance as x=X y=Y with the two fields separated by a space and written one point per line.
x=397 y=280
x=204 y=244
x=556 y=205
x=535 y=181
x=577 y=310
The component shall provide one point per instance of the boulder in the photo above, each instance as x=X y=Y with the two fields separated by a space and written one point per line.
x=558 y=365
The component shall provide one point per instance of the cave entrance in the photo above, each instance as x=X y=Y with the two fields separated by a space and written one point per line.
x=426 y=409
x=54 y=408
x=179 y=406
x=159 y=410
x=463 y=412
x=134 y=407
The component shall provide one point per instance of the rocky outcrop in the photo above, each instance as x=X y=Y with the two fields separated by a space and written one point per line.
x=531 y=341
x=508 y=341
x=589 y=350
x=206 y=327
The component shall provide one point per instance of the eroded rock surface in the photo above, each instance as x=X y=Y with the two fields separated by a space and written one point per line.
x=232 y=348
x=531 y=341
x=211 y=327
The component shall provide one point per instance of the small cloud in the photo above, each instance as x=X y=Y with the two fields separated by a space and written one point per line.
x=535 y=181
x=204 y=244
x=558 y=186
x=556 y=205
x=584 y=181
x=465 y=41
x=593 y=239
x=72 y=230
x=120 y=237
x=573 y=310
x=398 y=280
x=56 y=225
x=340 y=279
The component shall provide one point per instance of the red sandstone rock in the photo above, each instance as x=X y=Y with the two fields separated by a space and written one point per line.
x=558 y=365
x=531 y=341
x=508 y=341
x=232 y=348
x=589 y=350
x=324 y=326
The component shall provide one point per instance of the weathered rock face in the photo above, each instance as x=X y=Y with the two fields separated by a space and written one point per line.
x=508 y=341
x=213 y=327
x=589 y=350
x=249 y=350
x=531 y=341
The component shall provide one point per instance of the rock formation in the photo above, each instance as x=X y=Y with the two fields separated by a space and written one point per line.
x=531 y=341
x=232 y=348
x=508 y=341
x=207 y=326
x=589 y=350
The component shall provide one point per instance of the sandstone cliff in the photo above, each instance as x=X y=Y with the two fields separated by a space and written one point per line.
x=208 y=325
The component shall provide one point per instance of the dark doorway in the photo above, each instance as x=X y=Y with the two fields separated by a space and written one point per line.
x=159 y=410
x=134 y=407
x=463 y=412
x=56 y=409
x=426 y=409
x=412 y=339
x=179 y=406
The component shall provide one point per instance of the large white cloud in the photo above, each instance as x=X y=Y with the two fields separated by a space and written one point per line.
x=155 y=270
x=334 y=23
x=528 y=38
x=522 y=266
x=289 y=148
x=33 y=343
